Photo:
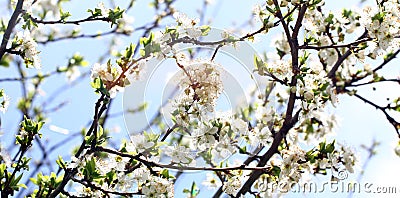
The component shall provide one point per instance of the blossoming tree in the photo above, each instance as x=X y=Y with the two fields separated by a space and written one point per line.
x=273 y=137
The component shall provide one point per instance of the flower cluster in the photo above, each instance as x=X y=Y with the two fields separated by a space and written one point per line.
x=201 y=80
x=281 y=44
x=232 y=185
x=282 y=69
x=115 y=173
x=383 y=24
x=295 y=165
x=314 y=86
x=201 y=86
x=109 y=75
x=48 y=7
x=115 y=78
x=28 y=47
x=187 y=26
x=180 y=154
x=158 y=45
x=125 y=24
x=316 y=126
x=329 y=56
x=27 y=5
x=123 y=20
x=216 y=136
x=314 y=22
x=347 y=157
x=211 y=182
x=158 y=187
x=292 y=166
x=142 y=142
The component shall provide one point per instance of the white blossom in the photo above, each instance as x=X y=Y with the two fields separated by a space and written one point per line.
x=187 y=26
x=211 y=181
x=125 y=23
x=102 y=71
x=264 y=114
x=73 y=73
x=260 y=136
x=158 y=188
x=125 y=182
x=280 y=42
x=28 y=46
x=141 y=143
x=231 y=186
x=239 y=126
x=349 y=158
x=204 y=78
x=5 y=157
x=223 y=149
x=104 y=10
x=179 y=154
x=141 y=174
x=5 y=101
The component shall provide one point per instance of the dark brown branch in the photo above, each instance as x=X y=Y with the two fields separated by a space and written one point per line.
x=372 y=82
x=76 y=22
x=339 y=62
x=100 y=107
x=383 y=64
x=114 y=31
x=29 y=77
x=335 y=46
x=391 y=120
x=181 y=168
x=93 y=186
x=386 y=61
x=11 y=24
x=289 y=121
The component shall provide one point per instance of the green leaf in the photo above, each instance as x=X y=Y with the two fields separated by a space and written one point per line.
x=100 y=132
x=129 y=51
x=322 y=146
x=28 y=22
x=64 y=15
x=260 y=66
x=272 y=11
x=329 y=19
x=280 y=53
x=95 y=13
x=2 y=170
x=90 y=171
x=98 y=85
x=115 y=14
x=194 y=190
x=346 y=13
x=388 y=56
x=379 y=16
x=243 y=150
x=5 y=61
x=205 y=29
x=165 y=173
x=60 y=161
x=330 y=147
x=111 y=176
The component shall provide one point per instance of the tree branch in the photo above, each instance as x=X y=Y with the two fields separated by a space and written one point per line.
x=11 y=24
